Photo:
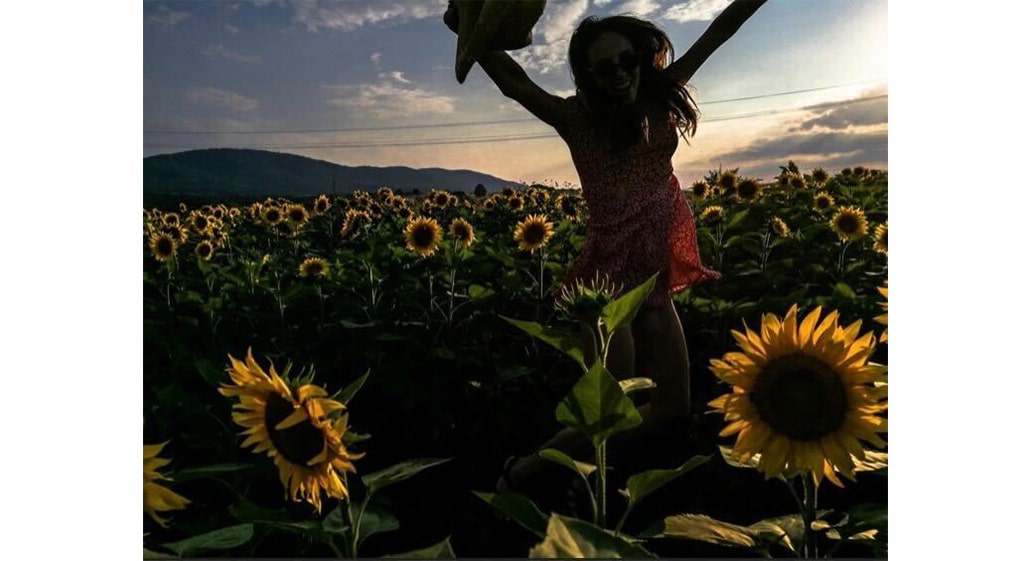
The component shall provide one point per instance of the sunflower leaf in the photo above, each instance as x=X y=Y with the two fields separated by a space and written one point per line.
x=208 y=471
x=706 y=529
x=622 y=310
x=631 y=385
x=519 y=508
x=375 y=521
x=346 y=394
x=643 y=484
x=568 y=537
x=597 y=406
x=568 y=343
x=582 y=469
x=442 y=550
x=399 y=472
x=224 y=538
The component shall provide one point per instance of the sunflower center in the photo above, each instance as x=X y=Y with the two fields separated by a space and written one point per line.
x=423 y=236
x=299 y=443
x=534 y=233
x=800 y=396
x=848 y=223
x=164 y=246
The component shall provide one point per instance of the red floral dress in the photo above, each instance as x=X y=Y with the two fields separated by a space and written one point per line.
x=640 y=222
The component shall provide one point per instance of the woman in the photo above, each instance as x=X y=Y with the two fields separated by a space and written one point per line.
x=622 y=127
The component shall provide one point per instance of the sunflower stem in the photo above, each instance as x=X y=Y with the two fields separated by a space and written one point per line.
x=602 y=483
x=842 y=258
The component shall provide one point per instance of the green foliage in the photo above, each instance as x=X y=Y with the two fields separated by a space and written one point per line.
x=568 y=537
x=597 y=406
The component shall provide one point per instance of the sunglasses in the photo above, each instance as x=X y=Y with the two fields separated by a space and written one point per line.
x=607 y=69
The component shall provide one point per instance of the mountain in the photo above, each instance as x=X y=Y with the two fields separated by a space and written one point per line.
x=235 y=173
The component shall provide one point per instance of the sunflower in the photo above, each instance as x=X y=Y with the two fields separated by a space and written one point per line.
x=884 y=318
x=178 y=233
x=321 y=204
x=567 y=205
x=285 y=229
x=823 y=201
x=171 y=219
x=354 y=219
x=423 y=235
x=846 y=171
x=782 y=180
x=803 y=396
x=375 y=209
x=182 y=208
x=849 y=223
x=155 y=497
x=462 y=231
x=712 y=214
x=199 y=221
x=748 y=189
x=295 y=428
x=204 y=250
x=314 y=267
x=297 y=213
x=819 y=175
x=162 y=246
x=404 y=213
x=441 y=198
x=699 y=189
x=272 y=215
x=859 y=170
x=507 y=192
x=780 y=227
x=882 y=238
x=585 y=300
x=727 y=181
x=234 y=212
x=396 y=202
x=489 y=204
x=219 y=212
x=534 y=232
x=515 y=202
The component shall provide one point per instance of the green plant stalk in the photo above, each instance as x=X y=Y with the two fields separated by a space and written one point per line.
x=810 y=507
x=622 y=521
x=766 y=248
x=602 y=483
x=354 y=546
x=540 y=276
x=842 y=257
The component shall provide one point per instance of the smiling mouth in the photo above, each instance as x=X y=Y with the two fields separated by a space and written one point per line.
x=622 y=87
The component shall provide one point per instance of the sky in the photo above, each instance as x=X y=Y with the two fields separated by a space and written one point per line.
x=368 y=82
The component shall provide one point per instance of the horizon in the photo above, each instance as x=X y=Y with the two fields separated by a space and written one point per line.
x=801 y=80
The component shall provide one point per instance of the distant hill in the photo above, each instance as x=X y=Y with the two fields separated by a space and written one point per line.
x=234 y=173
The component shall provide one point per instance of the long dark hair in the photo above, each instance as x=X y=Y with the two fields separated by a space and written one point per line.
x=654 y=49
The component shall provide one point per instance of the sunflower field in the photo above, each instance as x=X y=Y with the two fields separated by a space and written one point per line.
x=346 y=377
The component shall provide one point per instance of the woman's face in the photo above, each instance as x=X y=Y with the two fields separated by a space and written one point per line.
x=614 y=65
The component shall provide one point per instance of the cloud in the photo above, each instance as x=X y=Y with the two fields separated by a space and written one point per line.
x=695 y=10
x=395 y=76
x=230 y=28
x=555 y=28
x=861 y=112
x=602 y=2
x=639 y=7
x=349 y=15
x=220 y=51
x=167 y=18
x=393 y=97
x=222 y=98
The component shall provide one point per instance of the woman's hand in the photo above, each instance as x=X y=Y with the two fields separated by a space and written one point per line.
x=451 y=17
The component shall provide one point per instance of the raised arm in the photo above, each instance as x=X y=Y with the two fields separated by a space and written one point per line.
x=720 y=30
x=513 y=82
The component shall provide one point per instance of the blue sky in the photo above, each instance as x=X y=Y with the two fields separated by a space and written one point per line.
x=386 y=67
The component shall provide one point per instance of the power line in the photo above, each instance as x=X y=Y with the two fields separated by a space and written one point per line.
x=507 y=138
x=475 y=123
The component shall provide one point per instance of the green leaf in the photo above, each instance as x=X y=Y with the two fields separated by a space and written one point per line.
x=568 y=343
x=519 y=508
x=335 y=522
x=399 y=472
x=477 y=292
x=582 y=469
x=791 y=526
x=706 y=529
x=736 y=218
x=350 y=390
x=376 y=521
x=149 y=554
x=623 y=309
x=843 y=291
x=224 y=538
x=208 y=471
x=643 y=484
x=212 y=374
x=631 y=385
x=568 y=537
x=441 y=550
x=597 y=406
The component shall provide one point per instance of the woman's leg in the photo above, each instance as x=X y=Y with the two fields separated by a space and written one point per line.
x=662 y=355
